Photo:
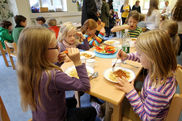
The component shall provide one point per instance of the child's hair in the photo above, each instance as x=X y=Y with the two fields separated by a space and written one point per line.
x=157 y=46
x=89 y=23
x=177 y=11
x=52 y=22
x=40 y=18
x=5 y=24
x=65 y=29
x=142 y=17
x=19 y=19
x=32 y=62
x=153 y=5
x=135 y=15
x=172 y=28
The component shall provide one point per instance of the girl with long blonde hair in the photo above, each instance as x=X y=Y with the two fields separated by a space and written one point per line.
x=43 y=84
x=153 y=15
x=154 y=53
x=125 y=10
x=68 y=38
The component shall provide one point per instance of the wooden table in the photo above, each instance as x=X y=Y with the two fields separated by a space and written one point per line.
x=105 y=90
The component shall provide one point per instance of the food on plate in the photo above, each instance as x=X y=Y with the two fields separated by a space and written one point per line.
x=119 y=73
x=106 y=49
x=86 y=55
x=109 y=42
x=73 y=73
x=66 y=51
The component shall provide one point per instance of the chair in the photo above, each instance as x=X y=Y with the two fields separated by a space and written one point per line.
x=11 y=49
x=176 y=104
x=3 y=52
x=3 y=113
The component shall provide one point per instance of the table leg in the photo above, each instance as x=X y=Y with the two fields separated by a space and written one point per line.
x=116 y=115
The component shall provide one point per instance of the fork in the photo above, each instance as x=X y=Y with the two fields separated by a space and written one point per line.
x=114 y=64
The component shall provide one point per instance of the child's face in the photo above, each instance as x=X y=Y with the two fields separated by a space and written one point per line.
x=40 y=22
x=10 y=28
x=143 y=59
x=132 y=23
x=23 y=23
x=70 y=38
x=91 y=32
x=53 y=51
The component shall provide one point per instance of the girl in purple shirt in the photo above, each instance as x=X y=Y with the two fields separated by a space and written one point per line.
x=43 y=84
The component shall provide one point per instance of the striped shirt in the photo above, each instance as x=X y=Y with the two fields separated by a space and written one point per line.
x=135 y=33
x=96 y=41
x=153 y=103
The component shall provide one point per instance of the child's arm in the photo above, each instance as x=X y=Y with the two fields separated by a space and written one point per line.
x=85 y=45
x=119 y=28
x=65 y=82
x=123 y=56
x=154 y=105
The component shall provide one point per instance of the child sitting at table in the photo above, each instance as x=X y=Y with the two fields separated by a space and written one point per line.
x=41 y=21
x=20 y=25
x=134 y=30
x=89 y=29
x=53 y=26
x=153 y=49
x=42 y=84
x=67 y=38
x=5 y=28
x=171 y=27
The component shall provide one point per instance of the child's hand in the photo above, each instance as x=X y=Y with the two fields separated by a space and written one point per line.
x=103 y=30
x=80 y=35
x=122 y=55
x=124 y=85
x=61 y=57
x=74 y=55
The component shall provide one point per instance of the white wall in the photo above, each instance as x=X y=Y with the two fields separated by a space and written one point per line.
x=22 y=7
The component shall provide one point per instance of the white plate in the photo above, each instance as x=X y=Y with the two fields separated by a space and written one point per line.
x=108 y=71
x=68 y=71
x=112 y=42
x=89 y=53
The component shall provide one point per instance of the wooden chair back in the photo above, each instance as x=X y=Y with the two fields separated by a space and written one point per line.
x=3 y=52
x=3 y=113
x=11 y=49
x=176 y=104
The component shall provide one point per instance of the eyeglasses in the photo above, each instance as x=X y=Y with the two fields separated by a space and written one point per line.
x=57 y=47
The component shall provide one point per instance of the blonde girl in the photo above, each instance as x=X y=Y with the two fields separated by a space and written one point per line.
x=125 y=10
x=42 y=84
x=171 y=27
x=89 y=29
x=153 y=15
x=68 y=38
x=153 y=49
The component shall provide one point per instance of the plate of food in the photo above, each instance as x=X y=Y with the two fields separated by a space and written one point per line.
x=111 y=42
x=71 y=71
x=119 y=72
x=105 y=49
x=87 y=54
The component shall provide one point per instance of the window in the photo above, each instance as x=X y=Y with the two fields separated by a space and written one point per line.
x=53 y=5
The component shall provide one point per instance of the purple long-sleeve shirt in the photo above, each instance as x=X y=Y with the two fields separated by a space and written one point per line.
x=55 y=106
x=84 y=46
